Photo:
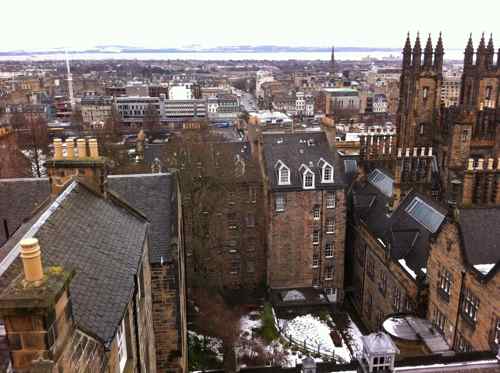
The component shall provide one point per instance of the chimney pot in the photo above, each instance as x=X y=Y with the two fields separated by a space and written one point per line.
x=490 y=163
x=57 y=149
x=430 y=151
x=422 y=152
x=415 y=152
x=82 y=148
x=400 y=151
x=32 y=260
x=70 y=148
x=498 y=161
x=407 y=154
x=94 y=148
x=470 y=164
x=480 y=164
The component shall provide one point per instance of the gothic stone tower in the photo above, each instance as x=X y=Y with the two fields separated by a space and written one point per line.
x=473 y=129
x=420 y=90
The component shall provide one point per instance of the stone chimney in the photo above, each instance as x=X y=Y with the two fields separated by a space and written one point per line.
x=32 y=261
x=254 y=135
x=87 y=165
x=330 y=130
x=36 y=309
x=481 y=185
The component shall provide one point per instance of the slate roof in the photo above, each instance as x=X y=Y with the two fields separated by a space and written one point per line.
x=102 y=240
x=295 y=149
x=408 y=239
x=480 y=233
x=19 y=198
x=155 y=196
x=151 y=194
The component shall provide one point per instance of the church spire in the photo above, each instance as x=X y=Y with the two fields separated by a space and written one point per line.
x=490 y=52
x=438 y=55
x=332 y=62
x=407 y=52
x=469 y=52
x=428 y=53
x=481 y=52
x=417 y=53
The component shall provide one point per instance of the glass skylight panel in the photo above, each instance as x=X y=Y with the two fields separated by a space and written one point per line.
x=350 y=165
x=424 y=214
x=381 y=181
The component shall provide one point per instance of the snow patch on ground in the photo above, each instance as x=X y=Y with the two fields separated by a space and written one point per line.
x=356 y=340
x=213 y=344
x=315 y=333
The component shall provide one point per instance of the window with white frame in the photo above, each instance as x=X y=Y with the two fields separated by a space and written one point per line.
x=122 y=346
x=328 y=250
x=315 y=262
x=283 y=174
x=308 y=179
x=327 y=173
x=330 y=200
x=280 y=202
x=330 y=225
x=315 y=237
x=316 y=213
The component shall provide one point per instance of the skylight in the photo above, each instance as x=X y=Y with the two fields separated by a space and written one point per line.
x=424 y=214
x=381 y=181
x=350 y=165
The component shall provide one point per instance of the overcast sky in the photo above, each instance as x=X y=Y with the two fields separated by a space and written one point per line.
x=29 y=24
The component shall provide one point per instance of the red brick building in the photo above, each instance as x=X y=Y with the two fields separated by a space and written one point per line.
x=305 y=210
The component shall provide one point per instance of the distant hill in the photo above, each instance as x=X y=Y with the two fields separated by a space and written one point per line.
x=113 y=49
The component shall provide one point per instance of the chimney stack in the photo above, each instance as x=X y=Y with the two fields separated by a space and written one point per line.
x=58 y=149
x=328 y=126
x=32 y=261
x=82 y=148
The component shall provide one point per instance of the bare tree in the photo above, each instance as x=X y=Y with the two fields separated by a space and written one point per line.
x=32 y=138
x=218 y=319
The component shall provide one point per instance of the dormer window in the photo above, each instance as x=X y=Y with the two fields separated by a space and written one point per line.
x=326 y=171
x=307 y=177
x=283 y=173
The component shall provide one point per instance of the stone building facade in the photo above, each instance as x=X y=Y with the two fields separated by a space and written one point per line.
x=463 y=280
x=420 y=94
x=160 y=292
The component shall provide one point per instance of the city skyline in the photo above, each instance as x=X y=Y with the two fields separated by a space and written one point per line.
x=154 y=24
